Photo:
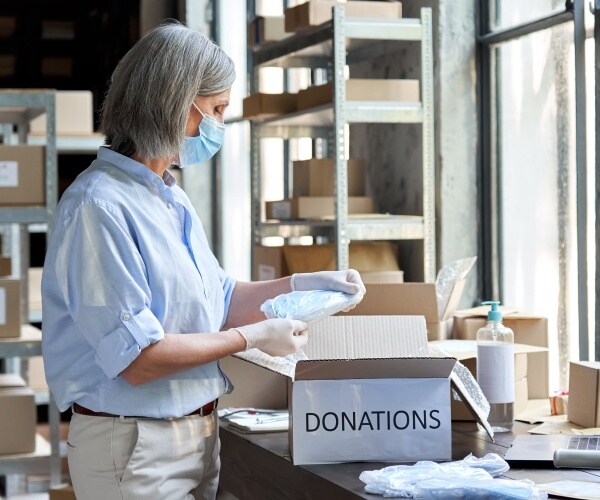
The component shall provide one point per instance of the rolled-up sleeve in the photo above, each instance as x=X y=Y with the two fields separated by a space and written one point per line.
x=106 y=288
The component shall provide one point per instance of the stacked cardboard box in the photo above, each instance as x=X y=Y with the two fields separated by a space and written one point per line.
x=22 y=175
x=74 y=111
x=17 y=415
x=10 y=315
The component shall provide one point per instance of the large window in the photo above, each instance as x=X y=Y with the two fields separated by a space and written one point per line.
x=536 y=200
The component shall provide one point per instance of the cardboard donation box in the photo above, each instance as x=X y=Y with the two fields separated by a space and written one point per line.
x=10 y=311
x=22 y=175
x=584 y=393
x=17 y=415
x=528 y=329
x=276 y=262
x=315 y=12
x=367 y=392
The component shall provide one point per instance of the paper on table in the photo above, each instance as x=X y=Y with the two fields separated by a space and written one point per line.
x=557 y=424
x=256 y=420
x=573 y=489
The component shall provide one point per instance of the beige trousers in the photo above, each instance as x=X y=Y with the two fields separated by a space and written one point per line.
x=128 y=458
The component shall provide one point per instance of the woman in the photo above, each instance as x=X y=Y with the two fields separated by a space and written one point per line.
x=137 y=311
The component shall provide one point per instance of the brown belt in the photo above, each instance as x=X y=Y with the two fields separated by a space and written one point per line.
x=207 y=409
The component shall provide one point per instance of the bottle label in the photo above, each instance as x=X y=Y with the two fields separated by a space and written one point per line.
x=496 y=371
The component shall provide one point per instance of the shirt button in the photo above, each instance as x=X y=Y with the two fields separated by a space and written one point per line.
x=169 y=205
x=126 y=317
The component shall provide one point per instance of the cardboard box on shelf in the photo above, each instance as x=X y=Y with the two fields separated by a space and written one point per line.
x=8 y=64
x=22 y=175
x=584 y=393
x=58 y=67
x=17 y=415
x=371 y=277
x=315 y=12
x=366 y=393
x=74 y=114
x=275 y=262
x=7 y=26
x=10 y=310
x=264 y=29
x=62 y=492
x=5 y=266
x=528 y=329
x=262 y=105
x=466 y=352
x=314 y=207
x=315 y=177
x=362 y=89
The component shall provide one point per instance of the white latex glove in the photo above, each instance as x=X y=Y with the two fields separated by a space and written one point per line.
x=276 y=337
x=347 y=281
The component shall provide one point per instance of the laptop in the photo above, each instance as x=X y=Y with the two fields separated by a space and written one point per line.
x=537 y=451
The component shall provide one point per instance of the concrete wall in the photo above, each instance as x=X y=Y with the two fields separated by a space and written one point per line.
x=394 y=151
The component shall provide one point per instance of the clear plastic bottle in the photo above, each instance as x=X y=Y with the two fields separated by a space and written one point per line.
x=496 y=368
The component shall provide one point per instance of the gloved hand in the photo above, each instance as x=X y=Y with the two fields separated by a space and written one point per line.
x=276 y=337
x=347 y=281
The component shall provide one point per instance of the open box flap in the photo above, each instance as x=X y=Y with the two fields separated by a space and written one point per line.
x=374 y=368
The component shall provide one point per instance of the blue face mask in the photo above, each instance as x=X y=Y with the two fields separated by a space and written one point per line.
x=203 y=147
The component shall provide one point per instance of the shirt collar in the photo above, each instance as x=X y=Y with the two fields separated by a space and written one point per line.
x=136 y=169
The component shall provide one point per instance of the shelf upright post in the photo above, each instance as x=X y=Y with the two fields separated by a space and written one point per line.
x=340 y=132
x=429 y=246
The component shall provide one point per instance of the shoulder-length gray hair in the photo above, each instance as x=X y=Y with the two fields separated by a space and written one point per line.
x=152 y=88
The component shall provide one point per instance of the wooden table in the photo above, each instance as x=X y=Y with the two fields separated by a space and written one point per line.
x=259 y=466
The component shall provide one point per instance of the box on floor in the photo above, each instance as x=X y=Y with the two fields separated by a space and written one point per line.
x=528 y=329
x=17 y=415
x=465 y=351
x=315 y=12
x=276 y=262
x=22 y=175
x=366 y=392
x=584 y=393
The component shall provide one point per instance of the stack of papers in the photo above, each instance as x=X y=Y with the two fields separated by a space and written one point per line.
x=255 y=420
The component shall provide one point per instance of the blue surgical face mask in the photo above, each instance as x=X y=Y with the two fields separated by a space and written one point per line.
x=204 y=146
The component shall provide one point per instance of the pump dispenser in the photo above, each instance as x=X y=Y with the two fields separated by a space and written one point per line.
x=496 y=368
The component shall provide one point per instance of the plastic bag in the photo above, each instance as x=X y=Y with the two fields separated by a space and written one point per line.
x=403 y=480
x=309 y=305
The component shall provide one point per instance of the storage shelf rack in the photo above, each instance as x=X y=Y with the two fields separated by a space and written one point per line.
x=346 y=40
x=17 y=109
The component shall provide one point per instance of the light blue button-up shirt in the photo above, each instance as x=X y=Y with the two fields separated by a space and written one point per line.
x=127 y=261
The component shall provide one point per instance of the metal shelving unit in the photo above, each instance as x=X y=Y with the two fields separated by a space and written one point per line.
x=17 y=108
x=346 y=40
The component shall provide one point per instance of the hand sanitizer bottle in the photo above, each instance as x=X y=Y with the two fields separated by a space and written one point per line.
x=496 y=368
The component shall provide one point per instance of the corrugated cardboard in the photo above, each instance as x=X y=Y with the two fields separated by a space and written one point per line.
x=382 y=276
x=62 y=492
x=276 y=262
x=315 y=12
x=528 y=329
x=584 y=393
x=22 y=175
x=314 y=207
x=362 y=89
x=316 y=177
x=367 y=364
x=466 y=352
x=10 y=310
x=409 y=299
x=264 y=29
x=17 y=415
x=261 y=105
x=5 y=266
x=74 y=113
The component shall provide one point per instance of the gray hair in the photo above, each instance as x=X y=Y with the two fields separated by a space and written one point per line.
x=152 y=89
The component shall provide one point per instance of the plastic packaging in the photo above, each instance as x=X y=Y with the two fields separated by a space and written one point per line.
x=402 y=480
x=484 y=489
x=496 y=368
x=309 y=305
